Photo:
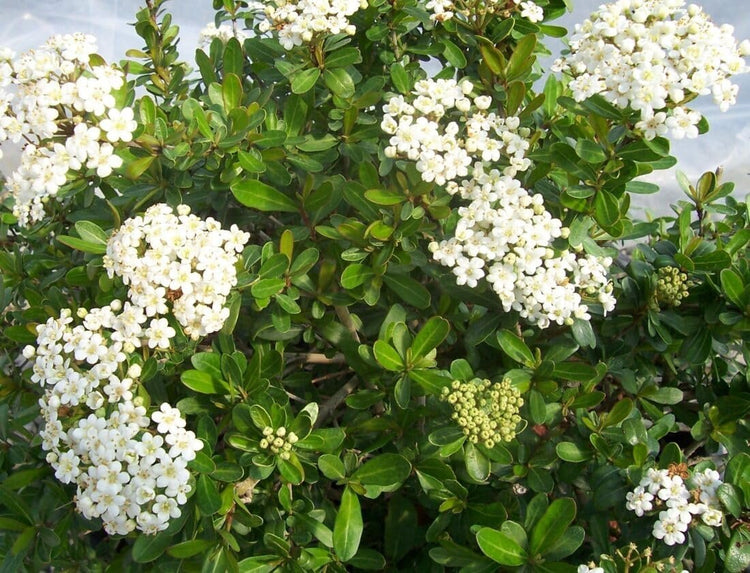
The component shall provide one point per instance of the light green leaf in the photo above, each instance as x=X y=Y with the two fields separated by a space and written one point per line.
x=430 y=336
x=304 y=81
x=515 y=347
x=387 y=356
x=501 y=548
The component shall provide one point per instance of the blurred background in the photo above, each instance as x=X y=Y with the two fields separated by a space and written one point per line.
x=727 y=144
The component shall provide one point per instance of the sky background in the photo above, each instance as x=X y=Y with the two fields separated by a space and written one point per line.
x=727 y=144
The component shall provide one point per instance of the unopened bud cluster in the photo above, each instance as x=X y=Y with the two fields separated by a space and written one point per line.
x=487 y=412
x=279 y=442
x=672 y=286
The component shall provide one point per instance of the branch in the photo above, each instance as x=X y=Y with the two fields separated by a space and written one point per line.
x=329 y=406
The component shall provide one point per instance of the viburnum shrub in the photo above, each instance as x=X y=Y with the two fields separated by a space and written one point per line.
x=357 y=286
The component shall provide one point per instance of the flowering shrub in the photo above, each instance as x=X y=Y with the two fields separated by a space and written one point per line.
x=358 y=287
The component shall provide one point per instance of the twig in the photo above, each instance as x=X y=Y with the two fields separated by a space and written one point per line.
x=329 y=406
x=316 y=358
x=329 y=376
x=346 y=319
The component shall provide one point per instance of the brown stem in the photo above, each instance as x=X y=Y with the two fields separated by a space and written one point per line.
x=329 y=406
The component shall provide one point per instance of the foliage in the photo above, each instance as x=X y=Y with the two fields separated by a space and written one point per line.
x=324 y=398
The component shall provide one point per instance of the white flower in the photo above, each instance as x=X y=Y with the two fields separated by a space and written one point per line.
x=639 y=501
x=168 y=418
x=119 y=124
x=669 y=528
x=712 y=517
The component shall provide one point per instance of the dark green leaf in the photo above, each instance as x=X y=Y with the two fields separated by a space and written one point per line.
x=347 y=528
x=252 y=193
x=383 y=470
x=552 y=525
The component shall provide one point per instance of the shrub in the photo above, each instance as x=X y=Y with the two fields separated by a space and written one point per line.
x=361 y=289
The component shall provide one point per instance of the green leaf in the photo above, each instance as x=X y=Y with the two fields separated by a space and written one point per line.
x=368 y=560
x=251 y=161
x=384 y=197
x=663 y=395
x=730 y=499
x=738 y=474
x=148 y=548
x=304 y=81
x=583 y=333
x=738 y=552
x=203 y=382
x=501 y=548
x=265 y=288
x=431 y=381
x=477 y=464
x=231 y=92
x=347 y=528
x=291 y=470
x=91 y=232
x=492 y=56
x=193 y=111
x=453 y=54
x=207 y=495
x=321 y=531
x=408 y=289
x=332 y=467
x=572 y=452
x=343 y=57
x=552 y=525
x=521 y=60
x=260 y=564
x=515 y=347
x=733 y=287
x=260 y=417
x=537 y=407
x=96 y=248
x=590 y=151
x=618 y=413
x=384 y=470
x=571 y=540
x=189 y=548
x=355 y=275
x=606 y=209
x=387 y=356
x=339 y=82
x=257 y=195
x=430 y=336
x=400 y=78
x=233 y=58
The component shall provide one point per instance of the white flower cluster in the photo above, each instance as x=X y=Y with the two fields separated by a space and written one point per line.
x=504 y=234
x=443 y=10
x=297 y=22
x=60 y=107
x=178 y=264
x=442 y=149
x=128 y=473
x=682 y=497
x=224 y=32
x=655 y=56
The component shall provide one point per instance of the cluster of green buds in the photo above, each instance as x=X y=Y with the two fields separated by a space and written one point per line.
x=278 y=441
x=671 y=286
x=487 y=412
